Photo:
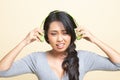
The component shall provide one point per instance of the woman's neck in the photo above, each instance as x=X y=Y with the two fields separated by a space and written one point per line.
x=57 y=55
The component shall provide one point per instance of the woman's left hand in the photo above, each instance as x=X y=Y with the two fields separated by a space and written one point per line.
x=113 y=55
x=85 y=34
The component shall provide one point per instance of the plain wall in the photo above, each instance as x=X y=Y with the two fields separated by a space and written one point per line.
x=101 y=17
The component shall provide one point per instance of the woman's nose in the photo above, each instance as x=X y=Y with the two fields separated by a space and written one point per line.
x=60 y=38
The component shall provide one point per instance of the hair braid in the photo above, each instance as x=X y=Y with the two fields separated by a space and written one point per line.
x=70 y=64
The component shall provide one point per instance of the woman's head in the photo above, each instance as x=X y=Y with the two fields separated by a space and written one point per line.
x=63 y=21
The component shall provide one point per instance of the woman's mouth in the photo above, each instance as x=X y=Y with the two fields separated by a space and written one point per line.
x=60 y=45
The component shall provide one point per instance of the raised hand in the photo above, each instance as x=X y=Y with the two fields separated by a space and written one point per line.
x=34 y=35
x=84 y=33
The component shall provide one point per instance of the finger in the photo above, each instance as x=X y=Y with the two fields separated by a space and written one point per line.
x=40 y=37
x=37 y=39
x=80 y=30
x=77 y=29
x=37 y=35
x=84 y=35
x=40 y=31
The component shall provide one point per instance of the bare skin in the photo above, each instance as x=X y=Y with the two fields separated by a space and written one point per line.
x=7 y=61
x=110 y=52
x=59 y=41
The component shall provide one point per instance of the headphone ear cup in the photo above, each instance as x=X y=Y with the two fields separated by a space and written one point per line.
x=78 y=35
x=42 y=38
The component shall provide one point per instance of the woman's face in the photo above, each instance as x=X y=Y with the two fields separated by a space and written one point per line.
x=58 y=37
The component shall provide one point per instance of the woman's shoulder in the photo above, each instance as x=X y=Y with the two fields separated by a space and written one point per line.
x=37 y=55
x=82 y=52
x=85 y=53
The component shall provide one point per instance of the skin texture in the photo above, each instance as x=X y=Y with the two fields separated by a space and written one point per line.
x=59 y=41
x=58 y=37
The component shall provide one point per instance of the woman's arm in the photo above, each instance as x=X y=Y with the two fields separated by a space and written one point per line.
x=7 y=61
x=113 y=55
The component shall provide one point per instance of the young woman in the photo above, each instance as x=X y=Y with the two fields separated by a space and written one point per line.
x=62 y=62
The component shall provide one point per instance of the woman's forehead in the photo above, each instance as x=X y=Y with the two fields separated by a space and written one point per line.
x=56 y=25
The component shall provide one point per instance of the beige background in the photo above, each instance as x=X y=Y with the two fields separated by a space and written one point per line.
x=18 y=17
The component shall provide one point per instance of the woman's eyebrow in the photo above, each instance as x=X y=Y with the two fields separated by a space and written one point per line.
x=53 y=31
x=63 y=30
x=57 y=30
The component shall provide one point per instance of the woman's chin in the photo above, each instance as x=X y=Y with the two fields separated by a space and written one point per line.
x=60 y=50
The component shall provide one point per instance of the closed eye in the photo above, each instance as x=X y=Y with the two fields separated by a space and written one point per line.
x=53 y=33
x=65 y=32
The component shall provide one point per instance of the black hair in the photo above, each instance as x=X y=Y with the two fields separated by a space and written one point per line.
x=70 y=63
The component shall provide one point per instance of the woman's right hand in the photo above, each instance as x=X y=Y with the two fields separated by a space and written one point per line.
x=6 y=61
x=33 y=35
